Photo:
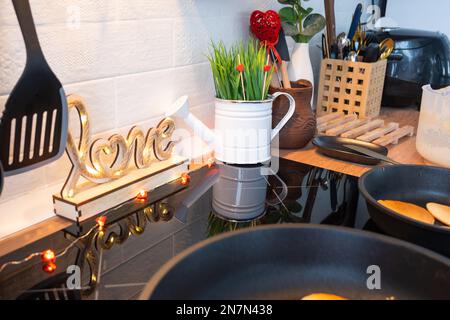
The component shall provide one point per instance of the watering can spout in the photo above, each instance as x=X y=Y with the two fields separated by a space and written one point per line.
x=180 y=110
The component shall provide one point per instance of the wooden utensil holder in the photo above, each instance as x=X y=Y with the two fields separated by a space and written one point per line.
x=351 y=87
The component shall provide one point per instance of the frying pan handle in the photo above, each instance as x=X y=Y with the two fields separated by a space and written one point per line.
x=288 y=116
x=26 y=22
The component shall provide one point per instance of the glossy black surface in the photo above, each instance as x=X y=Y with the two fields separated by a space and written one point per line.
x=335 y=147
x=146 y=236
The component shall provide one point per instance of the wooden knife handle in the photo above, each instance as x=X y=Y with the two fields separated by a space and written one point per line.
x=285 y=75
x=331 y=22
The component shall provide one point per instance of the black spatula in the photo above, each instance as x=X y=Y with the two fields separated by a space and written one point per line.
x=33 y=129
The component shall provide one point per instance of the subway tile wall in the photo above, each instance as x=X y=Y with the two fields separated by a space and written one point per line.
x=129 y=60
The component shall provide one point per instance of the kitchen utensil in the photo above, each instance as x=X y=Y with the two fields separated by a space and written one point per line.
x=413 y=184
x=386 y=48
x=331 y=22
x=283 y=50
x=334 y=51
x=371 y=53
x=371 y=153
x=352 y=56
x=33 y=129
x=325 y=48
x=355 y=21
x=289 y=262
x=335 y=147
x=342 y=43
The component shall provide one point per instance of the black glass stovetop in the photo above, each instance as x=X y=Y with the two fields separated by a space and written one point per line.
x=140 y=238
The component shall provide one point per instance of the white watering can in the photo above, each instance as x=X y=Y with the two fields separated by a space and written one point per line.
x=239 y=193
x=243 y=129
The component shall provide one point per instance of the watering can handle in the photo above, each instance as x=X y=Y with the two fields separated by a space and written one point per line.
x=280 y=197
x=287 y=117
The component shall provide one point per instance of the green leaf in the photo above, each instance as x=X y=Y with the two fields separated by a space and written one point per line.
x=313 y=24
x=302 y=38
x=227 y=79
x=288 y=14
x=290 y=29
x=288 y=2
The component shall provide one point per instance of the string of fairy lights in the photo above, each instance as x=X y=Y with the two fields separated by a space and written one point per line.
x=49 y=257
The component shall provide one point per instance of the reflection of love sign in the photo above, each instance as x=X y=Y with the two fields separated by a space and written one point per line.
x=111 y=159
x=118 y=172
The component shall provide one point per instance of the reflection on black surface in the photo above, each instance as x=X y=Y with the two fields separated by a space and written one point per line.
x=137 y=243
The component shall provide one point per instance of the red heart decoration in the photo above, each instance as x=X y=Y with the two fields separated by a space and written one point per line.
x=266 y=26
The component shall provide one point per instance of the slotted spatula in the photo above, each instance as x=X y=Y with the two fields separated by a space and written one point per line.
x=33 y=129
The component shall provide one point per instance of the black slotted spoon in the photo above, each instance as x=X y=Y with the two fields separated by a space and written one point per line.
x=33 y=129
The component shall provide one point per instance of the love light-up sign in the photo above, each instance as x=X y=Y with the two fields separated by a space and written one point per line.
x=115 y=169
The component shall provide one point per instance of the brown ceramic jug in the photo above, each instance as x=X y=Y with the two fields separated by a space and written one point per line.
x=300 y=130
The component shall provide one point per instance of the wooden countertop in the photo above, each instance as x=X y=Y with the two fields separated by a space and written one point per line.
x=405 y=152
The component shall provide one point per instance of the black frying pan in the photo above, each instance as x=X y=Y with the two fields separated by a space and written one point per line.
x=292 y=261
x=334 y=147
x=414 y=184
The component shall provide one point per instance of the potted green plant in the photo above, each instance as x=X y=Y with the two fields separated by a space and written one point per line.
x=243 y=108
x=302 y=25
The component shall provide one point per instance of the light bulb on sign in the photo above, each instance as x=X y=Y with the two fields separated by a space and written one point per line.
x=142 y=196
x=185 y=179
x=211 y=163
x=101 y=222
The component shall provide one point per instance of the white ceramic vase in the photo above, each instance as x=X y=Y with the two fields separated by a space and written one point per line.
x=300 y=67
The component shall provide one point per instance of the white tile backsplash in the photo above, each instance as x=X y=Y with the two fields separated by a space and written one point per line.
x=129 y=60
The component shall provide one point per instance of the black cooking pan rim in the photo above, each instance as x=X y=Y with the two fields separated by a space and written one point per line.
x=367 y=160
x=167 y=267
x=391 y=213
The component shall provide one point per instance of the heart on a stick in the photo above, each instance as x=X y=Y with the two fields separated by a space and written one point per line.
x=266 y=26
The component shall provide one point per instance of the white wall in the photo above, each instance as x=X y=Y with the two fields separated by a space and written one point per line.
x=129 y=59
x=430 y=15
